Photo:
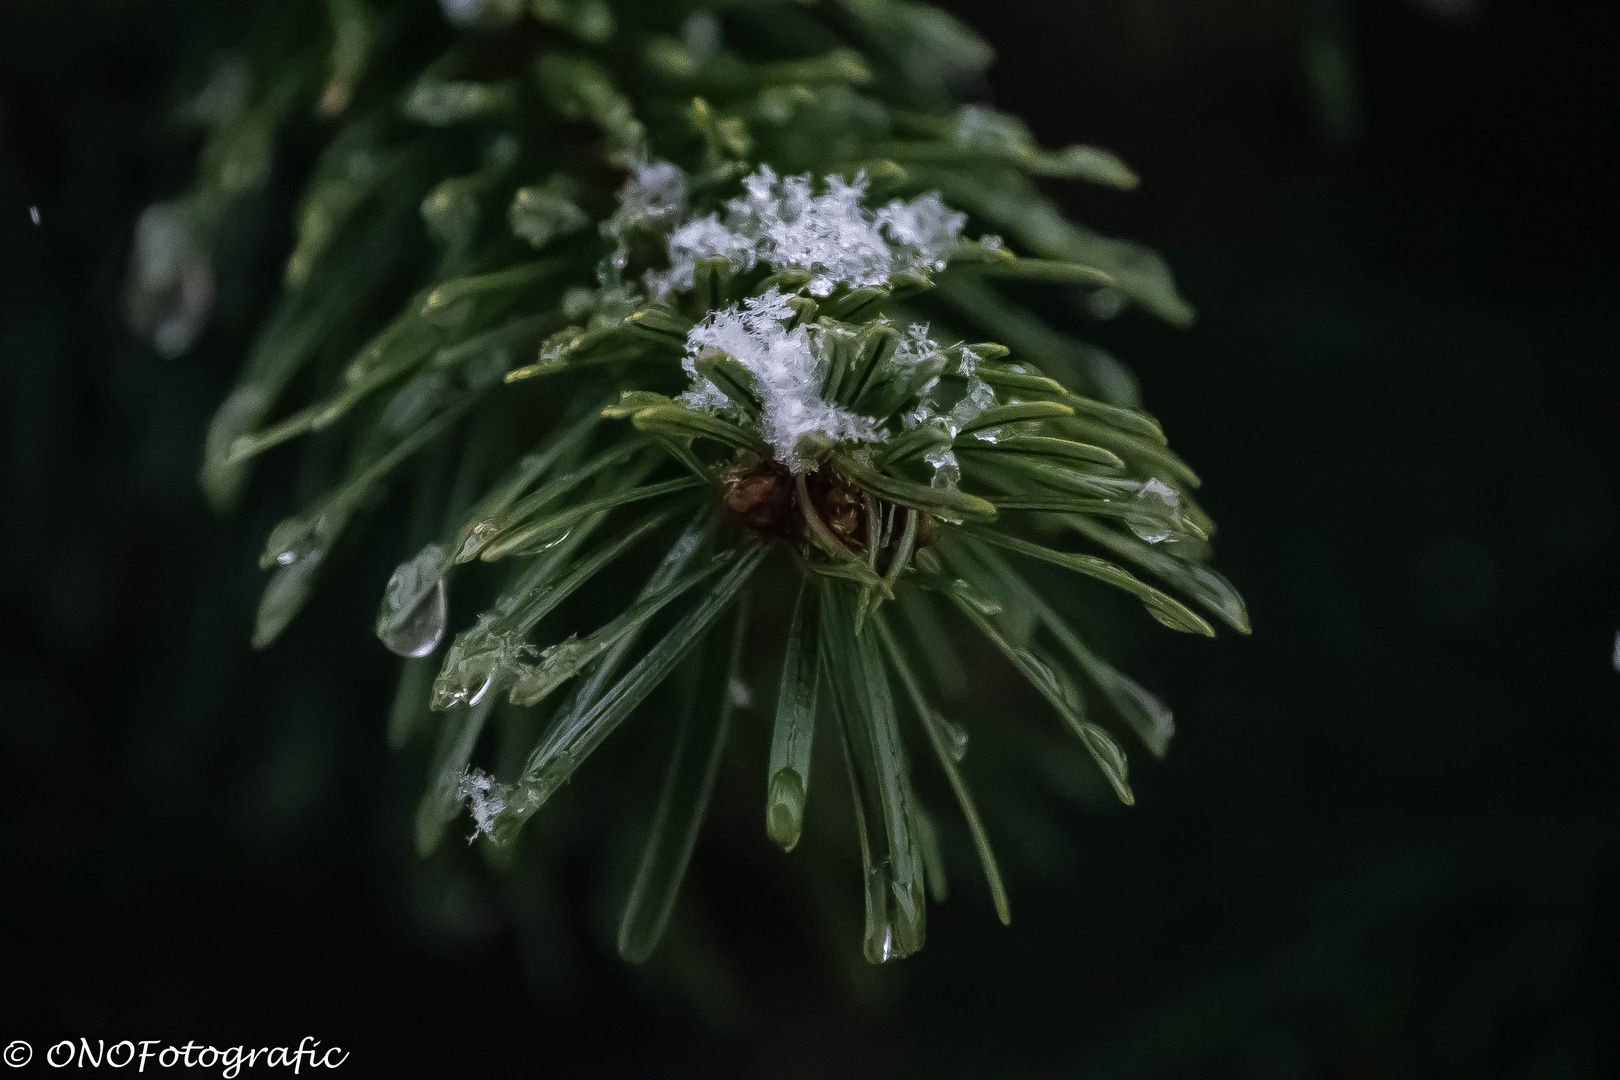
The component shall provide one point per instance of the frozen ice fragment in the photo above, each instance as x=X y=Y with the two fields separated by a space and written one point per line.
x=979 y=397
x=652 y=199
x=656 y=191
x=481 y=661
x=485 y=797
x=923 y=231
x=947 y=471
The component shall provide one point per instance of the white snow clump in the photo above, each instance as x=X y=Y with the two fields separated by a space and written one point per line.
x=781 y=222
x=485 y=797
x=653 y=198
x=788 y=370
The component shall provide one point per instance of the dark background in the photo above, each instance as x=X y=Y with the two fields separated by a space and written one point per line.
x=1383 y=845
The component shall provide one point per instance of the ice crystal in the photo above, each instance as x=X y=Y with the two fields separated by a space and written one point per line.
x=783 y=222
x=655 y=192
x=922 y=232
x=915 y=346
x=652 y=199
x=481 y=660
x=558 y=663
x=947 y=470
x=976 y=398
x=703 y=238
x=485 y=796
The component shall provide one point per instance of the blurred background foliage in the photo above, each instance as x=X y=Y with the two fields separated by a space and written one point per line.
x=1384 y=844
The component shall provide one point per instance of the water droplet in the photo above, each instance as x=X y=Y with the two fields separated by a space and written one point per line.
x=543 y=214
x=170 y=290
x=414 y=609
x=413 y=606
x=1155 y=516
x=415 y=403
x=291 y=541
x=700 y=33
x=784 y=810
x=956 y=738
x=908 y=917
x=1105 y=304
x=981 y=603
x=878 y=945
x=1052 y=682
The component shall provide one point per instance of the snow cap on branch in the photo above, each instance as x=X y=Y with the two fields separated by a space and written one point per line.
x=784 y=223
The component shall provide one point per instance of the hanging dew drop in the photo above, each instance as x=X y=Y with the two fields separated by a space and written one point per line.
x=295 y=539
x=784 y=814
x=414 y=608
x=956 y=738
x=1156 y=514
x=423 y=628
